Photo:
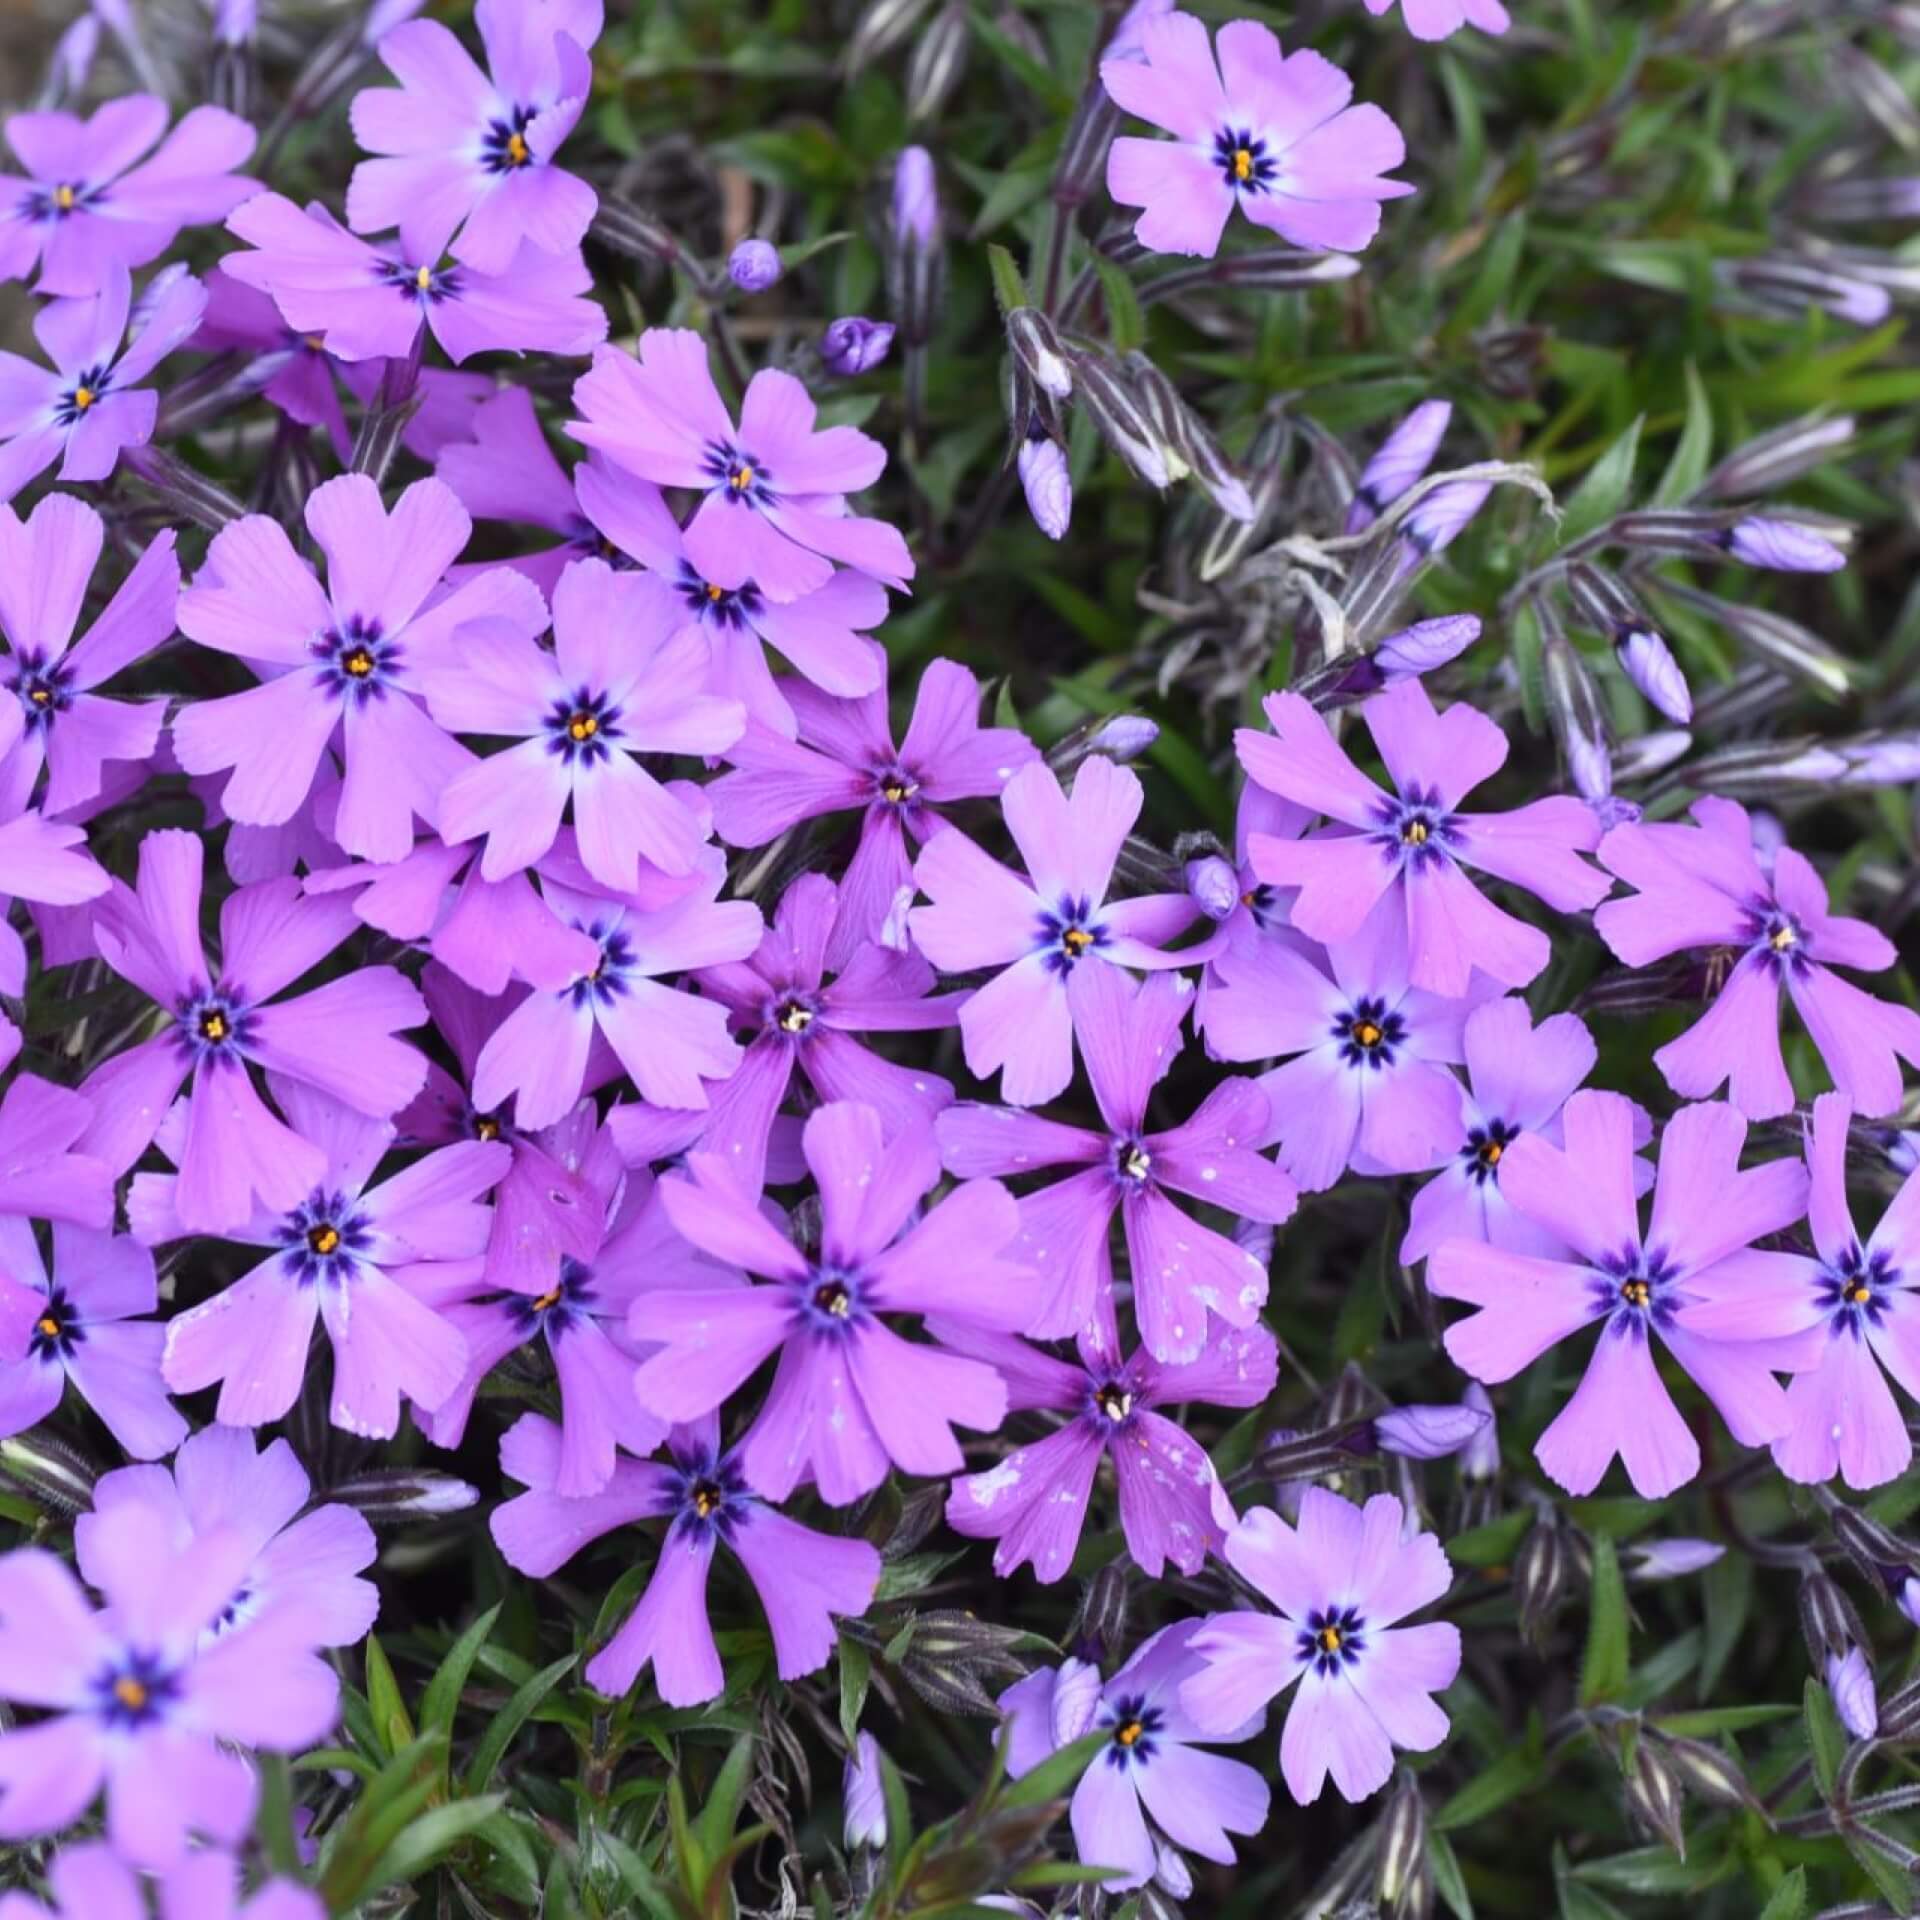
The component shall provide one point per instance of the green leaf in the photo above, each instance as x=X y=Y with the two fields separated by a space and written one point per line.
x=714 y=1828
x=1604 y=491
x=1009 y=290
x=1603 y=1674
x=1512 y=1774
x=389 y=1805
x=1789 y=1900
x=1448 y=1881
x=442 y=1700
x=1055 y=1775
x=274 y=1821
x=1126 y=324
x=1022 y=65
x=390 y=1720
x=638 y=1878
x=1712 y=1720
x=856 y=1674
x=1688 y=467
x=1826 y=1738
x=798 y=255
x=1894 y=1882
x=428 y=1839
x=508 y=1722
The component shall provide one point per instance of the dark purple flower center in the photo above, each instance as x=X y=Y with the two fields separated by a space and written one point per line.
x=792 y=1014
x=1243 y=160
x=1111 y=1403
x=428 y=286
x=1415 y=830
x=86 y=393
x=503 y=147
x=830 y=1302
x=44 y=688
x=737 y=475
x=57 y=1330
x=1258 y=899
x=1369 y=1033
x=705 y=1497
x=1070 y=933
x=355 y=661
x=1634 y=1289
x=1486 y=1147
x=134 y=1689
x=581 y=728
x=215 y=1025
x=1333 y=1637
x=1131 y=1726
x=567 y=1302
x=608 y=981
x=1778 y=939
x=1132 y=1162
x=594 y=545
x=732 y=608
x=323 y=1239
x=485 y=1126
x=60 y=201
x=1855 y=1294
x=895 y=786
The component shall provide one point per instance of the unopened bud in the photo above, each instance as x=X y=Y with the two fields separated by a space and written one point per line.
x=1670 y=1559
x=1864 y=198
x=1575 y=715
x=1828 y=1622
x=854 y=345
x=1429 y=1433
x=1653 y=1795
x=1037 y=347
x=1215 y=886
x=754 y=265
x=1125 y=737
x=1706 y=1772
x=627 y=229
x=939 y=62
x=1100 y=1626
x=1776 y=459
x=1438 y=520
x=1647 y=660
x=1076 y=1696
x=1403 y=458
x=1880 y=1554
x=1403 y=1842
x=916 y=199
x=863 y=1788
x=1791 y=283
x=1425 y=646
x=1772 y=638
x=1850 y=1681
x=882 y=27
x=1785 y=546
x=1170 y=1872
x=388 y=1495
x=1184 y=443
x=1540 y=1575
x=1046 y=481
x=48 y=1471
x=1649 y=753
x=1480 y=1457
x=1115 y=410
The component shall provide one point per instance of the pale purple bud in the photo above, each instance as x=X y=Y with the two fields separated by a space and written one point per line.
x=1429 y=1432
x=1611 y=811
x=1125 y=737
x=1076 y=1695
x=1047 y=483
x=1902 y=1149
x=1170 y=1872
x=235 y=22
x=1480 y=1457
x=1671 y=1559
x=1441 y=517
x=1404 y=456
x=1866 y=199
x=865 y=1794
x=1425 y=646
x=1575 y=715
x=754 y=265
x=854 y=344
x=1286 y=1493
x=1647 y=753
x=1776 y=459
x=148 y=297
x=1908 y=1598
x=75 y=53
x=384 y=15
x=1125 y=44
x=1647 y=660
x=1254 y=1237
x=893 y=928
x=1769 y=835
x=1850 y=1681
x=916 y=198
x=1214 y=885
x=1037 y=347
x=1786 y=546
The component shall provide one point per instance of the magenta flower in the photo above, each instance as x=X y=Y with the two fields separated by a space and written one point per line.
x=1182 y=1271
x=1703 y=887
x=1152 y=1764
x=1438 y=19
x=850 y=1396
x=1407 y=847
x=1706 y=1216
x=55 y=718
x=366 y=302
x=302 y=1573
x=345 y=663
x=671 y=1042
x=92 y=1882
x=1044 y=932
x=41 y=1178
x=1272 y=136
x=1340 y=1582
x=85 y=1328
x=339 y=1038
x=89 y=407
x=616 y=685
x=803 y=1577
x=135 y=1698
x=1250 y=917
x=1172 y=1506
x=782 y=1006
x=773 y=490
x=471 y=154
x=365 y=1262
x=92 y=205
x=845 y=758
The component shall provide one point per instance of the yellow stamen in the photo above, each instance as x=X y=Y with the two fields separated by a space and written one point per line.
x=716 y=593
x=1129 y=1734
x=486 y=1128
x=1076 y=940
x=1491 y=1153
x=1367 y=1034
x=213 y=1026
x=359 y=663
x=64 y=198
x=324 y=1240
x=1414 y=833
x=424 y=279
x=49 y=1326
x=130 y=1693
x=705 y=1499
x=517 y=153
x=547 y=1300
x=1242 y=164
x=41 y=696
x=1783 y=938
x=741 y=478
x=583 y=726
x=1857 y=1295
x=1636 y=1293
x=83 y=398
x=1329 y=1638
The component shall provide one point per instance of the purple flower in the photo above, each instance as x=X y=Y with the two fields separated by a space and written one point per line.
x=1274 y=137
x=772 y=490
x=91 y=206
x=672 y=1043
x=303 y=1565
x=1258 y=913
x=1182 y=1271
x=1152 y=1763
x=84 y=1329
x=1706 y=1216
x=1045 y=931
x=1404 y=456
x=614 y=686
x=1172 y=1506
x=1786 y=546
x=1047 y=483
x=365 y=302
x=345 y=663
x=92 y=1882
x=136 y=1701
x=471 y=154
x=1439 y=519
x=42 y=1179
x=850 y=1395
x=1340 y=1584
x=1672 y=1559
x=1429 y=1433
x=863 y=1790
x=916 y=198
x=846 y=758
x=56 y=719
x=803 y=1577
x=339 y=1038
x=88 y=407
x=365 y=1262
x=1850 y=1681
x=1647 y=660
x=853 y=345
x=1424 y=647
x=754 y=265
x=1437 y=19
x=1408 y=846
x=1703 y=887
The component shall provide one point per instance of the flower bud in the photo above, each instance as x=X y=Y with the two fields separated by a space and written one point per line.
x=880 y=29
x=1706 y=1772
x=1772 y=638
x=754 y=265
x=863 y=1789
x=1037 y=347
x=1125 y=737
x=1653 y=1794
x=1185 y=444
x=1170 y=1871
x=1540 y=1574
x=1403 y=458
x=630 y=230
x=1671 y=1559
x=1438 y=520
x=1791 y=283
x=1403 y=1843
x=938 y=63
x=387 y=1495
x=1785 y=546
x=1648 y=753
x=1850 y=1681
x=1774 y=460
x=855 y=345
x=1425 y=646
x=1100 y=1627
x=48 y=1470
x=1480 y=1457
x=1427 y=1432
x=384 y=15
x=1864 y=198
x=1574 y=713
x=1115 y=410
x=1879 y=1554
x=1214 y=885
x=73 y=58
x=1648 y=662
x=916 y=199
x=1046 y=481
x=1076 y=1696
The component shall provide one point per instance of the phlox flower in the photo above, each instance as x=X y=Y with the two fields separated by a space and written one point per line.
x=1703 y=886
x=1706 y=1216
x=1181 y=1270
x=1403 y=457
x=366 y=302
x=235 y=1156
x=772 y=508
x=304 y=1565
x=1272 y=136
x=845 y=759
x=803 y=1577
x=89 y=407
x=1152 y=1765
x=41 y=1176
x=466 y=156
x=1341 y=1580
x=46 y=863
x=87 y=1326
x=850 y=1396
x=1407 y=848
x=344 y=663
x=1438 y=19
x=1043 y=931
x=108 y=194
x=614 y=686
x=1256 y=914
x=1172 y=1506
x=92 y=1882
x=137 y=1701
